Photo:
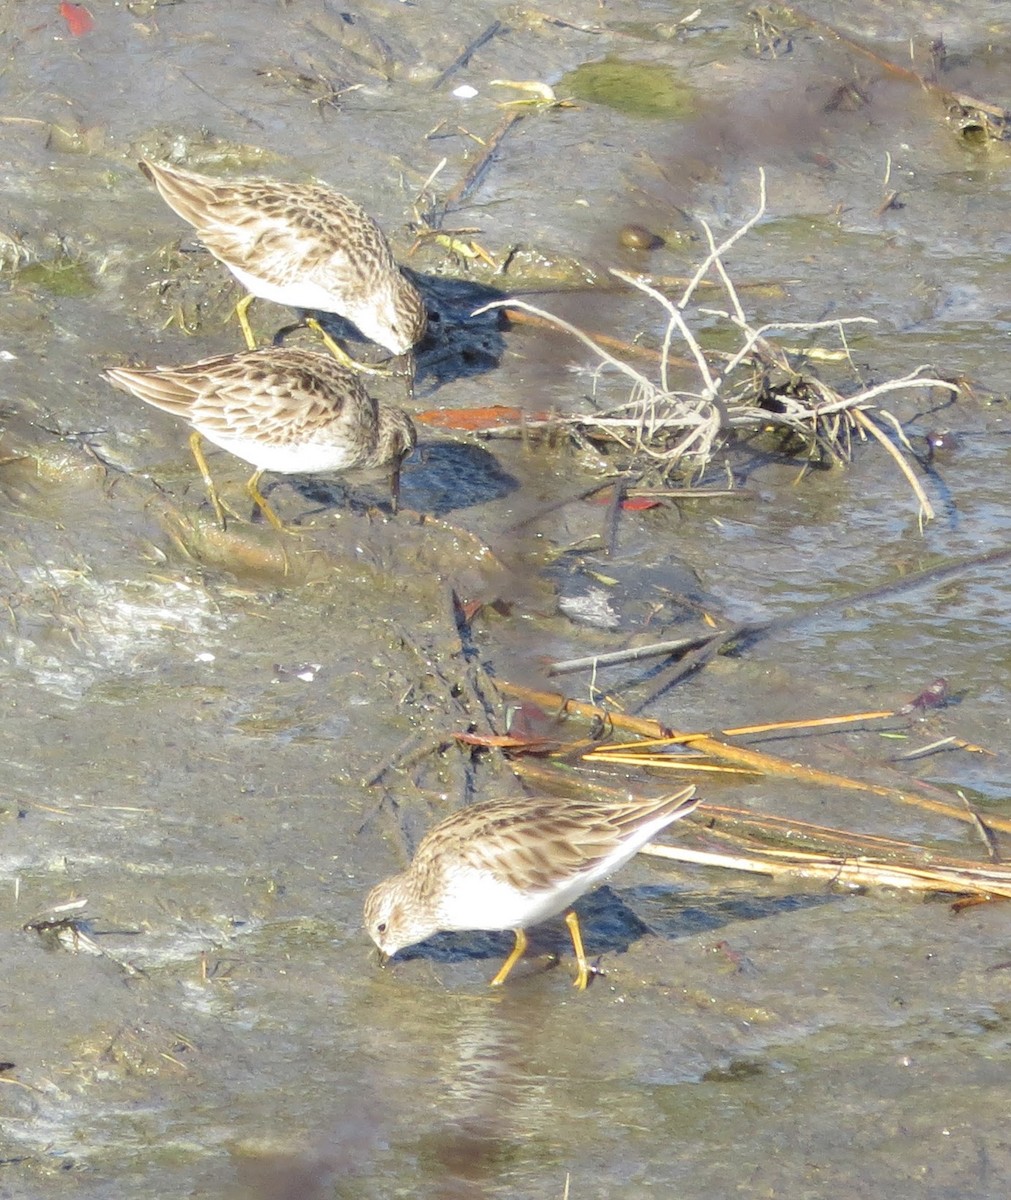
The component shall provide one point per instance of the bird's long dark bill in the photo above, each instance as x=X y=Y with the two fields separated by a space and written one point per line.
x=382 y=957
x=395 y=486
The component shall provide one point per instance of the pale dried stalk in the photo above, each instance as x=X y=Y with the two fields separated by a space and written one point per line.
x=861 y=399
x=858 y=871
x=724 y=277
x=676 y=321
x=609 y=359
x=864 y=421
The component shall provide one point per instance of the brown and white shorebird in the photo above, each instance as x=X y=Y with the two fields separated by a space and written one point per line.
x=301 y=245
x=510 y=864
x=288 y=410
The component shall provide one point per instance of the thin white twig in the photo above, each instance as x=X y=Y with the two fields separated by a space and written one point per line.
x=725 y=278
x=864 y=420
x=862 y=399
x=676 y=321
x=720 y=250
x=624 y=368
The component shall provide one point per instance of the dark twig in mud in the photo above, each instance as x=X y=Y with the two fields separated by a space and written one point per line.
x=694 y=660
x=224 y=103
x=610 y=535
x=475 y=170
x=465 y=55
x=409 y=753
x=754 y=389
x=546 y=509
x=462 y=685
x=633 y=493
x=972 y=116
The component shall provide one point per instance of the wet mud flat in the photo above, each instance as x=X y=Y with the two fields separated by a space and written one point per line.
x=219 y=740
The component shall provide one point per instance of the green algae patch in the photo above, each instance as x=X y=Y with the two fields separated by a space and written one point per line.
x=638 y=89
x=59 y=277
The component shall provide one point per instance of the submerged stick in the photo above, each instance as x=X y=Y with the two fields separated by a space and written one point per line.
x=751 y=629
x=591 y=661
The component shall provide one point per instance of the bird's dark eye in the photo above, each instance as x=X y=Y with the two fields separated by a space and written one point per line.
x=381 y=927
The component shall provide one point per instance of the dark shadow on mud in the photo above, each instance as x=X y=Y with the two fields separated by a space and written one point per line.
x=611 y=926
x=457 y=345
x=676 y=914
x=443 y=476
x=437 y=479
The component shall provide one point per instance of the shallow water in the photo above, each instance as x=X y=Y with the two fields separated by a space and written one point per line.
x=224 y=817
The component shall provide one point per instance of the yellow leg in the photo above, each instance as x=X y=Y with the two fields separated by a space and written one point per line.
x=341 y=355
x=241 y=311
x=253 y=488
x=517 y=953
x=198 y=457
x=583 y=974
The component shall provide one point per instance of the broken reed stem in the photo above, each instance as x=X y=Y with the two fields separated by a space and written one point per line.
x=764 y=764
x=864 y=421
x=559 y=323
x=850 y=872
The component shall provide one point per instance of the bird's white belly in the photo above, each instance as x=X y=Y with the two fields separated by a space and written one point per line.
x=286 y=460
x=476 y=900
x=299 y=293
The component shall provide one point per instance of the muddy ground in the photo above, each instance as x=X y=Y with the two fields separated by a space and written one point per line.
x=221 y=739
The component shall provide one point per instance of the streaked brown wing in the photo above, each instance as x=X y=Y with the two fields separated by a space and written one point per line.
x=269 y=396
x=281 y=235
x=188 y=194
x=536 y=845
